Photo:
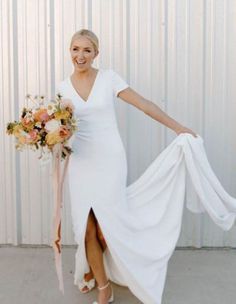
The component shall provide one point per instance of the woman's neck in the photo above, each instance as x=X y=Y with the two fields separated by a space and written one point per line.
x=84 y=74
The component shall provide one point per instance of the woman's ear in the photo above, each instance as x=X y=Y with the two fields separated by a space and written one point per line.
x=96 y=54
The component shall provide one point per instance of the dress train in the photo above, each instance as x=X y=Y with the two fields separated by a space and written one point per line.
x=142 y=230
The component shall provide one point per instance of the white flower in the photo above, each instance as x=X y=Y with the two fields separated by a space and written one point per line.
x=50 y=109
x=52 y=125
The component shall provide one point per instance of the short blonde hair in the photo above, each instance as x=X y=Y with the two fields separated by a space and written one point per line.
x=88 y=34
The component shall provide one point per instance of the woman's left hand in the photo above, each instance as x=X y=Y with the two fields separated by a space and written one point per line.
x=183 y=129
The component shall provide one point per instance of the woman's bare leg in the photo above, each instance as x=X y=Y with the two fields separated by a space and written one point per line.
x=101 y=237
x=89 y=275
x=94 y=254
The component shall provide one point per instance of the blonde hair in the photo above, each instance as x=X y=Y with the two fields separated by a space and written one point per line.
x=88 y=34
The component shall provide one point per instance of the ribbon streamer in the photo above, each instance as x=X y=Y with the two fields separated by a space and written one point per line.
x=58 y=194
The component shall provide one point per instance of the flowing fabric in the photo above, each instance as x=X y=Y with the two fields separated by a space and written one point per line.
x=141 y=222
x=58 y=180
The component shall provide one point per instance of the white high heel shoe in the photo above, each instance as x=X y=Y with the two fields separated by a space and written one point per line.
x=111 y=299
x=89 y=284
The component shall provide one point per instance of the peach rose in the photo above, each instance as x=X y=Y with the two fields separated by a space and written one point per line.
x=27 y=123
x=33 y=135
x=22 y=140
x=41 y=115
x=64 y=132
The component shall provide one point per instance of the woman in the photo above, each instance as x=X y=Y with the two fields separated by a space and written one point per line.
x=97 y=168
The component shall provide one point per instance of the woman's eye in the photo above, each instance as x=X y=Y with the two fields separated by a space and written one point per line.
x=86 y=50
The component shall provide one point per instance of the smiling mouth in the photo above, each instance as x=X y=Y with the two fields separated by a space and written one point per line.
x=80 y=62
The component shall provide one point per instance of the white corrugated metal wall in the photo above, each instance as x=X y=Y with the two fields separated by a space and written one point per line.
x=179 y=54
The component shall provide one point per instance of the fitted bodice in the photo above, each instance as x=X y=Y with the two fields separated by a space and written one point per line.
x=98 y=112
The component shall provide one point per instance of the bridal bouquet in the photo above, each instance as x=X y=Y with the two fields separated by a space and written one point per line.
x=44 y=125
x=48 y=126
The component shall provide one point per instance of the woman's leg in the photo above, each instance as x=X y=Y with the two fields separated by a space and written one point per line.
x=94 y=254
x=88 y=276
x=101 y=237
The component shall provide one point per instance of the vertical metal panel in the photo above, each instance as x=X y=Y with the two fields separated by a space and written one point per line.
x=146 y=60
x=185 y=85
x=219 y=129
x=178 y=54
x=8 y=195
x=119 y=49
x=33 y=79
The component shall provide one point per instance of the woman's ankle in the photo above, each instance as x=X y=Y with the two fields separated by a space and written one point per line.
x=103 y=285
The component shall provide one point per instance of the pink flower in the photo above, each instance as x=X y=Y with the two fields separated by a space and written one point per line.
x=33 y=134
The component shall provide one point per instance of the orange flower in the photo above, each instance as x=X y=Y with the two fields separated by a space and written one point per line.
x=22 y=139
x=41 y=115
x=27 y=123
x=64 y=132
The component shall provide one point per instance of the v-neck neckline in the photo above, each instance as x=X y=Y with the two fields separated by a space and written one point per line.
x=91 y=91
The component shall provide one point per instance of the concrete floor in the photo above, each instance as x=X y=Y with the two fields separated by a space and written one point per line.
x=27 y=275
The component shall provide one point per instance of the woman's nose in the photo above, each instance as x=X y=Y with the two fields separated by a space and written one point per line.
x=81 y=57
x=80 y=54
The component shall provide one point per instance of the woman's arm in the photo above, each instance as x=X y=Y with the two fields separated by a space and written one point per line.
x=152 y=110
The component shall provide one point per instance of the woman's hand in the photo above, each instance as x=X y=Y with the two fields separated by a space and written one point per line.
x=183 y=129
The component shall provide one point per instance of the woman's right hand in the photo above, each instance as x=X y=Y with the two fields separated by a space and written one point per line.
x=183 y=129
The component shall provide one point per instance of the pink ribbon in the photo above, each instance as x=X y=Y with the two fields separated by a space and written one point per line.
x=58 y=191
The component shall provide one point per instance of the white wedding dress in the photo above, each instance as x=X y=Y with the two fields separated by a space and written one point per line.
x=141 y=222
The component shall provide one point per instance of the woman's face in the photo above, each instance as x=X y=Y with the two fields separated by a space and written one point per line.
x=82 y=53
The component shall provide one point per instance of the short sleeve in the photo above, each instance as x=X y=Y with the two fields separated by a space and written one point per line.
x=118 y=83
